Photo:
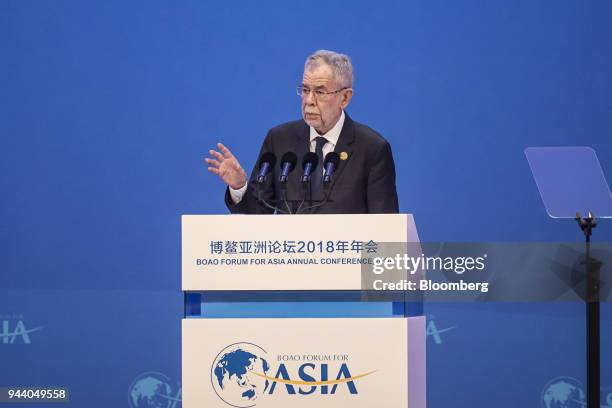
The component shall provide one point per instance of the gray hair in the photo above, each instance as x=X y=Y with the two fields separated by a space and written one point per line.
x=339 y=63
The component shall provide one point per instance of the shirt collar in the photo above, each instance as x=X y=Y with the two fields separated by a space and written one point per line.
x=333 y=134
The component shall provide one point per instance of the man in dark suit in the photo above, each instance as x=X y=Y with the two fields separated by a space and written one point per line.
x=364 y=181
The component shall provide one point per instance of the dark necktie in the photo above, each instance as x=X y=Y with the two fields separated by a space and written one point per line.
x=317 y=177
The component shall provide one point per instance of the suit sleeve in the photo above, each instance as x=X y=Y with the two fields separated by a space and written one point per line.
x=250 y=203
x=381 y=192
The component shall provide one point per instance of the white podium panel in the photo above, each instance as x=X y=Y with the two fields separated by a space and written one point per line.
x=268 y=363
x=272 y=252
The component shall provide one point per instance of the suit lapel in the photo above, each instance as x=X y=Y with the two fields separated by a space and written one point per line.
x=302 y=146
x=344 y=148
x=303 y=143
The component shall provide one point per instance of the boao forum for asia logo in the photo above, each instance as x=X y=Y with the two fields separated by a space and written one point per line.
x=242 y=374
x=153 y=389
x=568 y=392
x=13 y=330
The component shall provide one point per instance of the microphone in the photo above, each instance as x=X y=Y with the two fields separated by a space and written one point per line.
x=309 y=164
x=267 y=162
x=287 y=165
x=330 y=165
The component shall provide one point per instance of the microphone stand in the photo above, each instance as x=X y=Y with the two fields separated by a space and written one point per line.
x=260 y=199
x=305 y=189
x=283 y=192
x=326 y=191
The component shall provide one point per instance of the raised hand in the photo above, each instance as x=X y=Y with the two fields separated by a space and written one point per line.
x=227 y=167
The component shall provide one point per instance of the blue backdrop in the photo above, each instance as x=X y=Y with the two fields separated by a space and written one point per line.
x=107 y=108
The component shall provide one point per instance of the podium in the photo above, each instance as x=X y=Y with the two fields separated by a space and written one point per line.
x=276 y=314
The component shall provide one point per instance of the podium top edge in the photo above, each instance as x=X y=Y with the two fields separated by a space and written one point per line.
x=299 y=215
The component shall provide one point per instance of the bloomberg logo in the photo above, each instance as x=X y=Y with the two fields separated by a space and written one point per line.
x=242 y=373
x=14 y=330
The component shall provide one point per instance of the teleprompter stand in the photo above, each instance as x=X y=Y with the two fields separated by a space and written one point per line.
x=571 y=182
x=592 y=313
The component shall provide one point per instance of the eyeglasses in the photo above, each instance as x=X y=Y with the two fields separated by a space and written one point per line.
x=318 y=94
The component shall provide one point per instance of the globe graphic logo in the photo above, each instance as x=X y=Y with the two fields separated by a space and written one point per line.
x=563 y=392
x=607 y=398
x=151 y=390
x=234 y=374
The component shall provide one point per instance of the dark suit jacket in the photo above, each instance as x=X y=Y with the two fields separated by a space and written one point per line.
x=363 y=183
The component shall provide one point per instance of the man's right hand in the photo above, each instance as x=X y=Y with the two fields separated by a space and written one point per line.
x=227 y=167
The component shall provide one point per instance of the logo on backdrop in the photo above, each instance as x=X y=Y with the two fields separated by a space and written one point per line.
x=606 y=397
x=434 y=332
x=154 y=390
x=13 y=330
x=567 y=392
x=563 y=392
x=244 y=373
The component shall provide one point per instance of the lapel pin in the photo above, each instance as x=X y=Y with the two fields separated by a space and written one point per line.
x=343 y=155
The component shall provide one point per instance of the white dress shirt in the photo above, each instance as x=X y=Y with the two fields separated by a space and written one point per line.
x=332 y=140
